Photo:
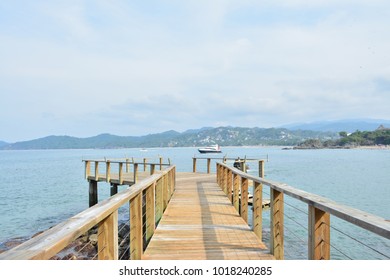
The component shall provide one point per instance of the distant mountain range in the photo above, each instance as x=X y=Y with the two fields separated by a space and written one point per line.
x=340 y=125
x=224 y=136
x=289 y=135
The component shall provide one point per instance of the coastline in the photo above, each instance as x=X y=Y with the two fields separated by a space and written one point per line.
x=373 y=147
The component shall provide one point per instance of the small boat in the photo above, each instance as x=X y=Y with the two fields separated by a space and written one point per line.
x=210 y=149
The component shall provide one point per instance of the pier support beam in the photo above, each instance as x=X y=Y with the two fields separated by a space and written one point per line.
x=114 y=189
x=93 y=193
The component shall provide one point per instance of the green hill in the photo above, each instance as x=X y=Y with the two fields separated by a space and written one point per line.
x=224 y=136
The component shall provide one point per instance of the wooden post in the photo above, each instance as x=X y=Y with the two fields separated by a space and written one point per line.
x=225 y=179
x=161 y=162
x=135 y=172
x=229 y=184
x=150 y=211
x=113 y=189
x=261 y=168
x=165 y=192
x=159 y=200
x=277 y=224
x=244 y=199
x=194 y=164
x=108 y=237
x=152 y=168
x=145 y=164
x=120 y=173
x=93 y=192
x=208 y=165
x=217 y=174
x=87 y=169
x=108 y=171
x=258 y=210
x=127 y=165
x=136 y=249
x=96 y=171
x=319 y=234
x=236 y=192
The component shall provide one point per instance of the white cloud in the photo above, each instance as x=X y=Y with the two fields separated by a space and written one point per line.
x=189 y=64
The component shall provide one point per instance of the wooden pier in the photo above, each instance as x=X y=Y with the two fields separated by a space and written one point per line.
x=200 y=223
x=192 y=216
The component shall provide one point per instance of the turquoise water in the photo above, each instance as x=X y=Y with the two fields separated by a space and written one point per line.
x=39 y=189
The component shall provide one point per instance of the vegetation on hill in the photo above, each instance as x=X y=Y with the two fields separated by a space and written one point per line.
x=380 y=136
x=224 y=136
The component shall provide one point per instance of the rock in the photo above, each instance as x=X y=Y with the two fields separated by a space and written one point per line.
x=93 y=238
x=70 y=256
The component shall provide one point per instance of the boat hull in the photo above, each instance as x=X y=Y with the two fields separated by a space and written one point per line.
x=208 y=151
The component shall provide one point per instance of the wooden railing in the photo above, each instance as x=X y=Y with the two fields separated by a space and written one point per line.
x=100 y=170
x=157 y=188
x=235 y=184
x=242 y=161
x=127 y=162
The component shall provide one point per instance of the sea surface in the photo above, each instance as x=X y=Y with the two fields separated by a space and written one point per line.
x=40 y=188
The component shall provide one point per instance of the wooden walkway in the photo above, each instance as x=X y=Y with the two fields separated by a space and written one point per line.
x=200 y=223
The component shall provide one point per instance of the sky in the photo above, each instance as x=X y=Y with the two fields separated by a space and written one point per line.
x=83 y=67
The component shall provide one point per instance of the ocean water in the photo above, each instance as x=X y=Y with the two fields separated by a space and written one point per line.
x=40 y=188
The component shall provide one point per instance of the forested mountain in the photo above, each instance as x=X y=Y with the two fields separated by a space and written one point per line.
x=224 y=136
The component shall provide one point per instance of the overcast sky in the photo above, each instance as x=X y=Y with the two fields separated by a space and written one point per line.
x=82 y=68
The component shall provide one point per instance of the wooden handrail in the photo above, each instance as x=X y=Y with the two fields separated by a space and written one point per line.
x=105 y=215
x=224 y=160
x=320 y=209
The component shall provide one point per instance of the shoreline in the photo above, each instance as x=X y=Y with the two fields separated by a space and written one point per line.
x=374 y=147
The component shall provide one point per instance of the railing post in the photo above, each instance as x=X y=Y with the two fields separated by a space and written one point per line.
x=229 y=183
x=208 y=165
x=136 y=248
x=277 y=224
x=225 y=181
x=96 y=171
x=261 y=168
x=108 y=171
x=108 y=237
x=135 y=172
x=319 y=234
x=87 y=169
x=145 y=164
x=217 y=173
x=152 y=168
x=127 y=165
x=244 y=199
x=165 y=192
x=236 y=192
x=120 y=173
x=194 y=164
x=161 y=162
x=150 y=211
x=159 y=200
x=258 y=210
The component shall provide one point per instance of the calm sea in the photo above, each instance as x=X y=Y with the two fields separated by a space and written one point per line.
x=41 y=188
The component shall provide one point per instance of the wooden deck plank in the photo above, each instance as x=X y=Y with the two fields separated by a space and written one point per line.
x=200 y=223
